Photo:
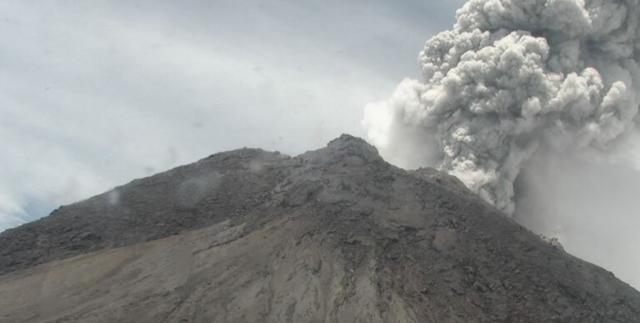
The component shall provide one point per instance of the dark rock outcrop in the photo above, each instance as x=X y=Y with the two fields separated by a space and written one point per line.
x=332 y=235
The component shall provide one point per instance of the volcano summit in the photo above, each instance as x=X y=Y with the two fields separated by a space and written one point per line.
x=332 y=235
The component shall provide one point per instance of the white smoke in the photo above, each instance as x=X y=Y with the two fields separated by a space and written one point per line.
x=511 y=79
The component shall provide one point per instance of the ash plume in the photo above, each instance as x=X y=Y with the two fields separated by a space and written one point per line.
x=513 y=78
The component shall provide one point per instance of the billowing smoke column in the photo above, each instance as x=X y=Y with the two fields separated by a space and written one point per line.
x=514 y=77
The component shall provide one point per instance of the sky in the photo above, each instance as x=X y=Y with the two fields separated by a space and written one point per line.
x=96 y=93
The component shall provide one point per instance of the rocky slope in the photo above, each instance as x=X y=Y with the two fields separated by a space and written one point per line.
x=333 y=235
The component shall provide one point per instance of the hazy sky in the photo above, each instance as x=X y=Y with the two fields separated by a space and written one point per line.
x=96 y=93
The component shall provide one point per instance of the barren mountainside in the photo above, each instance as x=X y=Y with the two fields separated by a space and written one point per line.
x=332 y=235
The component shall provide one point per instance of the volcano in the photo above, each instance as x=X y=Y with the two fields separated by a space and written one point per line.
x=332 y=235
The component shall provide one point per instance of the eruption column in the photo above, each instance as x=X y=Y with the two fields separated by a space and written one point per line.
x=511 y=79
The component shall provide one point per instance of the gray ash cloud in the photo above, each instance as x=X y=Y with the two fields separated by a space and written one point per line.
x=511 y=79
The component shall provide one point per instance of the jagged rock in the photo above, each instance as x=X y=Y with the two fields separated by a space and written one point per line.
x=332 y=235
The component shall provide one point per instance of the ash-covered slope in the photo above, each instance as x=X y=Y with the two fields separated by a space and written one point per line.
x=333 y=235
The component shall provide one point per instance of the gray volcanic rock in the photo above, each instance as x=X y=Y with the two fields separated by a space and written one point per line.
x=332 y=235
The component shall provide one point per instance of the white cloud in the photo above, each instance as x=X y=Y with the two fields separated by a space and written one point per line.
x=95 y=94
